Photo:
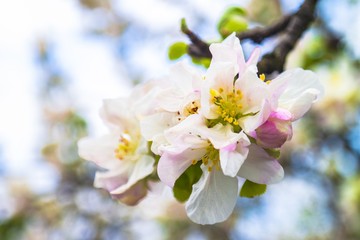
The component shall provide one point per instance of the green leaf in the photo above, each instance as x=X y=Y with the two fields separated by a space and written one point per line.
x=273 y=152
x=177 y=50
x=233 y=24
x=251 y=189
x=233 y=20
x=183 y=185
x=234 y=11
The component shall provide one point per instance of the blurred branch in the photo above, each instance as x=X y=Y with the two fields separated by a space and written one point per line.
x=198 y=48
x=291 y=26
x=298 y=24
x=260 y=33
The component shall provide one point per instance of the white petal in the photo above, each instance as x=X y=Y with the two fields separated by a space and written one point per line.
x=250 y=123
x=233 y=156
x=213 y=198
x=100 y=150
x=143 y=167
x=220 y=135
x=187 y=133
x=173 y=163
x=303 y=89
x=111 y=180
x=259 y=167
x=228 y=51
x=253 y=59
x=156 y=124
x=116 y=113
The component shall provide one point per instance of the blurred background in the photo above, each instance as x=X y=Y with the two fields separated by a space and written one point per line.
x=60 y=58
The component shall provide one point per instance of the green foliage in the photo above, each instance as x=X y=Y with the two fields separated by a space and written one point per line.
x=177 y=50
x=233 y=20
x=183 y=185
x=205 y=62
x=251 y=189
x=275 y=153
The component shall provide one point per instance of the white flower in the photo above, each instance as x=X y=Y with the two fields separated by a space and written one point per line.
x=233 y=94
x=122 y=152
x=224 y=156
x=177 y=97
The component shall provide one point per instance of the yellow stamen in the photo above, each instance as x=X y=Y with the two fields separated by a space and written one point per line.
x=214 y=93
x=262 y=77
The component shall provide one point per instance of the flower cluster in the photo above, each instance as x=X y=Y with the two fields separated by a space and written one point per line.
x=200 y=133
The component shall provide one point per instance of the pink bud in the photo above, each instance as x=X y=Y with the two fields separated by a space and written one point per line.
x=275 y=131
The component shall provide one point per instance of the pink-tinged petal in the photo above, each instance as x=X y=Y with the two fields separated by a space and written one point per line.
x=111 y=180
x=253 y=59
x=259 y=167
x=173 y=163
x=133 y=195
x=143 y=167
x=233 y=156
x=303 y=89
x=275 y=131
x=301 y=105
x=213 y=198
x=100 y=150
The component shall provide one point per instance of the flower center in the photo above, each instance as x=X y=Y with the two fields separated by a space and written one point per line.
x=229 y=105
x=126 y=146
x=210 y=159
x=191 y=108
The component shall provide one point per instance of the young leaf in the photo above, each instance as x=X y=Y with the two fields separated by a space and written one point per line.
x=233 y=20
x=251 y=189
x=176 y=50
x=183 y=185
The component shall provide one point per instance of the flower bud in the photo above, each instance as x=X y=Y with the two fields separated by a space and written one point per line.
x=275 y=131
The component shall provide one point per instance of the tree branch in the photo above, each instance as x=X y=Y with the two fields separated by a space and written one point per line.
x=258 y=34
x=291 y=26
x=301 y=20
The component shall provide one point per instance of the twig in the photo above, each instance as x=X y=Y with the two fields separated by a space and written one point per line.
x=275 y=60
x=258 y=34
x=198 y=48
x=291 y=26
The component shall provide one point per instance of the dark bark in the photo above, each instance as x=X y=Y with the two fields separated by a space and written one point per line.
x=291 y=27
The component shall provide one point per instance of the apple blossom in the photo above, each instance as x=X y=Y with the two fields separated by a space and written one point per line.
x=233 y=94
x=177 y=97
x=224 y=156
x=122 y=152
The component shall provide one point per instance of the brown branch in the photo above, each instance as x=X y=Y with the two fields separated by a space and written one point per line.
x=258 y=34
x=198 y=48
x=291 y=26
x=301 y=20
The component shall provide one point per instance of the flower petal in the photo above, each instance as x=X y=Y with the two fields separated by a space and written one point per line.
x=100 y=150
x=175 y=161
x=213 y=197
x=259 y=167
x=156 y=124
x=233 y=156
x=230 y=51
x=303 y=89
x=115 y=113
x=142 y=168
